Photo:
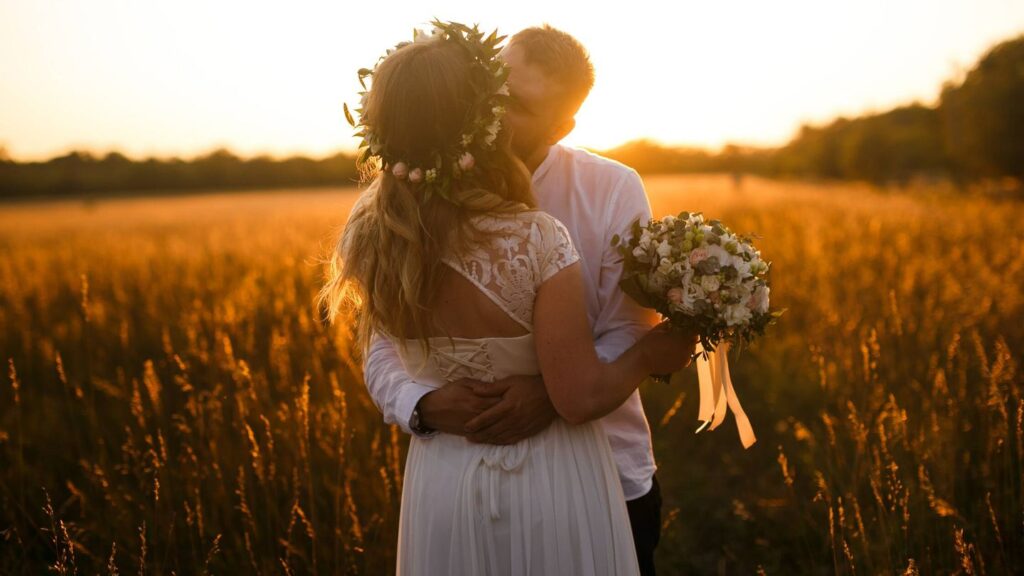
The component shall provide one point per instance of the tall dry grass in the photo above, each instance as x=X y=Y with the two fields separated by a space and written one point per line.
x=171 y=405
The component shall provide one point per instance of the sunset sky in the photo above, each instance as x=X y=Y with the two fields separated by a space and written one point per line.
x=181 y=78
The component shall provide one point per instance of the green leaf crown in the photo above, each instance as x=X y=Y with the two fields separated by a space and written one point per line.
x=483 y=121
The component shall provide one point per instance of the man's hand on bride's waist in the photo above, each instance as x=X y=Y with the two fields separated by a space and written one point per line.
x=450 y=407
x=523 y=410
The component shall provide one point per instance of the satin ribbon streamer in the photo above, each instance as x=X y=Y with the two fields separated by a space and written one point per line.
x=717 y=394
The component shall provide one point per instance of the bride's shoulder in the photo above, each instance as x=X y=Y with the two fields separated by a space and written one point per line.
x=540 y=218
x=549 y=224
x=523 y=219
x=535 y=233
x=536 y=223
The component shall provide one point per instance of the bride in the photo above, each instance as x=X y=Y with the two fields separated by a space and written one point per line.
x=446 y=255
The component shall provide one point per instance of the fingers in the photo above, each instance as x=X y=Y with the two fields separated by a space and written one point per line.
x=665 y=326
x=489 y=389
x=489 y=417
x=521 y=409
x=513 y=428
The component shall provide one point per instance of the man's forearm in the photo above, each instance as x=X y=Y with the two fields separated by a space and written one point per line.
x=611 y=345
x=394 y=392
x=618 y=335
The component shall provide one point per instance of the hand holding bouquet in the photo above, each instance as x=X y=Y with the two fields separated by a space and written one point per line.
x=704 y=278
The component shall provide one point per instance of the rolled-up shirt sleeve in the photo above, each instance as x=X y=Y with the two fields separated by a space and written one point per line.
x=392 y=389
x=622 y=321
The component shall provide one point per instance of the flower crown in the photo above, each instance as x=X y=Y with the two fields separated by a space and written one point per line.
x=483 y=121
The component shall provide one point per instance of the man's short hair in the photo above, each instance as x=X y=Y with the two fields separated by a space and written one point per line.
x=562 y=58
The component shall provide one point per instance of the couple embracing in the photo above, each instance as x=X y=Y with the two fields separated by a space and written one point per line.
x=480 y=267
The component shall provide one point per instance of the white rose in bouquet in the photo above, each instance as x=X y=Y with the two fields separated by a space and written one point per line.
x=759 y=299
x=736 y=314
x=710 y=283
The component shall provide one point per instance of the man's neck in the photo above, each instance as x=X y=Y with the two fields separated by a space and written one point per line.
x=536 y=158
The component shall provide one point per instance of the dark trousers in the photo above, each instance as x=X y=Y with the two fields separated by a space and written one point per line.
x=645 y=519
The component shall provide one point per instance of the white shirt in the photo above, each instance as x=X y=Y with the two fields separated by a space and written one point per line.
x=596 y=198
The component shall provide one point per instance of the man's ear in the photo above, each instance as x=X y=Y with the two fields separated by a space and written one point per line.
x=562 y=130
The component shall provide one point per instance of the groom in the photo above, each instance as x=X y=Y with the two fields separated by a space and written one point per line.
x=596 y=198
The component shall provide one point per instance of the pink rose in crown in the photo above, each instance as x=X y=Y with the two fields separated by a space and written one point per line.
x=400 y=170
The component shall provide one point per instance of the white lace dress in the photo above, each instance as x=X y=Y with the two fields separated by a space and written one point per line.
x=549 y=505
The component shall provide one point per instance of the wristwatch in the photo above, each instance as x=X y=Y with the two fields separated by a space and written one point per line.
x=414 y=422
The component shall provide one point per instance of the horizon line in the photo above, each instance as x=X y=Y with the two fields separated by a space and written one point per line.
x=101 y=152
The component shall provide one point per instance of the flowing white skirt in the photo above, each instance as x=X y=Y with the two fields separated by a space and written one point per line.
x=549 y=505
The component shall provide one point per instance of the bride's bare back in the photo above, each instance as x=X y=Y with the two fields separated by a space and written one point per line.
x=461 y=310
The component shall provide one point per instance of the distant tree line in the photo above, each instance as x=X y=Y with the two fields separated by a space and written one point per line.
x=975 y=131
x=81 y=173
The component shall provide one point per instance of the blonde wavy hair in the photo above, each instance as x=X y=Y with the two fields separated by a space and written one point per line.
x=385 y=268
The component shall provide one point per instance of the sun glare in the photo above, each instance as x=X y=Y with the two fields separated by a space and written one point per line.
x=184 y=78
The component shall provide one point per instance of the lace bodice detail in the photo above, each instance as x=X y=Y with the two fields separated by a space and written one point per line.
x=526 y=250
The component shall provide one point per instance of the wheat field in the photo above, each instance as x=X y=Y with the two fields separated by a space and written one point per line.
x=170 y=404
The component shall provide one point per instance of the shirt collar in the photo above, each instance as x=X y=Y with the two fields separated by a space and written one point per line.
x=542 y=170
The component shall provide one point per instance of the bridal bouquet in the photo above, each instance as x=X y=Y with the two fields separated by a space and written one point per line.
x=703 y=277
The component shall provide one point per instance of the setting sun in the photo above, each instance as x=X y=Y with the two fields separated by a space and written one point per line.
x=183 y=78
